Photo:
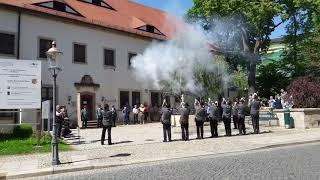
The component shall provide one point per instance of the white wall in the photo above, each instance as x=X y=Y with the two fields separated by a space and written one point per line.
x=8 y=24
x=65 y=34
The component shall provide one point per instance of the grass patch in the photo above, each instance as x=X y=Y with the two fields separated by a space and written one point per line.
x=10 y=145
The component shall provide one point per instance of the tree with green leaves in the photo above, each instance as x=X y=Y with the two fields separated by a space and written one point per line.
x=240 y=81
x=303 y=39
x=252 y=21
x=212 y=82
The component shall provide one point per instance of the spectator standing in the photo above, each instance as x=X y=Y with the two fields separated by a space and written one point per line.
x=114 y=115
x=135 y=112
x=156 y=112
x=125 y=113
x=284 y=97
x=278 y=104
x=146 y=112
x=151 y=113
x=141 y=114
x=59 y=120
x=271 y=102
x=84 y=117
x=290 y=102
x=66 y=123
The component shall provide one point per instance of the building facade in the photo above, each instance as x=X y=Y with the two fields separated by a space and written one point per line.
x=97 y=52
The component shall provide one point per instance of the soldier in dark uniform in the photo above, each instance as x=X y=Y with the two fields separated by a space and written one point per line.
x=114 y=116
x=107 y=125
x=166 y=121
x=84 y=117
x=254 y=111
x=201 y=115
x=241 y=116
x=214 y=115
x=235 y=115
x=226 y=116
x=99 y=116
x=184 y=121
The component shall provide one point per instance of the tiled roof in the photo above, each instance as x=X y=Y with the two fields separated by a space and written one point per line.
x=127 y=16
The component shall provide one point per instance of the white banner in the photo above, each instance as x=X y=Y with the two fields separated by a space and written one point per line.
x=20 y=84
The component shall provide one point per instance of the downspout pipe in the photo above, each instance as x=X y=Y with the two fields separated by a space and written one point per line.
x=19 y=34
x=18 y=57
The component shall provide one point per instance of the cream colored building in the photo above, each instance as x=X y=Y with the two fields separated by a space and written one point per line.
x=96 y=49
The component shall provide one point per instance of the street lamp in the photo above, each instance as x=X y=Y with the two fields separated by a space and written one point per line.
x=52 y=55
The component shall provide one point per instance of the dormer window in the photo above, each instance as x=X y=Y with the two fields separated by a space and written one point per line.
x=100 y=3
x=150 y=29
x=58 y=6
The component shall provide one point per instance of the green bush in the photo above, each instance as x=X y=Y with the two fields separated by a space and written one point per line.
x=23 y=131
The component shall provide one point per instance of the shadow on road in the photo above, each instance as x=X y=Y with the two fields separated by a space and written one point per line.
x=122 y=142
x=112 y=156
x=121 y=155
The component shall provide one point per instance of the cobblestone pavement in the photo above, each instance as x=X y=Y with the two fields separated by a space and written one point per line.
x=286 y=163
x=143 y=143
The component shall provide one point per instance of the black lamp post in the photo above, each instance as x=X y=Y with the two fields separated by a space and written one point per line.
x=52 y=55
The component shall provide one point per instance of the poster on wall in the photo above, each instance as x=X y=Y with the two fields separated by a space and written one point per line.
x=20 y=84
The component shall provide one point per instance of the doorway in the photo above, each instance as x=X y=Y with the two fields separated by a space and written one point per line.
x=155 y=99
x=87 y=100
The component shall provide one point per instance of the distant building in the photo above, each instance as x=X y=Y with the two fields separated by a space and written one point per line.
x=275 y=51
x=98 y=39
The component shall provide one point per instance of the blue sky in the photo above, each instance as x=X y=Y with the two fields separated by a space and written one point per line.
x=180 y=7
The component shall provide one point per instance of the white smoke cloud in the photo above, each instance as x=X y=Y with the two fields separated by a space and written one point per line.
x=174 y=61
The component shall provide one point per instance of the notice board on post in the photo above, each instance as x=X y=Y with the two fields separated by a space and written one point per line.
x=20 y=84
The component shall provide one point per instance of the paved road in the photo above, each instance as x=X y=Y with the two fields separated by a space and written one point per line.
x=295 y=162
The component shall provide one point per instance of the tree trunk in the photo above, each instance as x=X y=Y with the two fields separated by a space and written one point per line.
x=252 y=74
x=253 y=67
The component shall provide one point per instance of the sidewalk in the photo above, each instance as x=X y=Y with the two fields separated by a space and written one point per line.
x=143 y=143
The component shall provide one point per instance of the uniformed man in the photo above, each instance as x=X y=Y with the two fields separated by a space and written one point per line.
x=241 y=117
x=213 y=112
x=99 y=116
x=235 y=115
x=226 y=116
x=184 y=121
x=166 y=122
x=114 y=116
x=201 y=115
x=84 y=117
x=254 y=111
x=107 y=125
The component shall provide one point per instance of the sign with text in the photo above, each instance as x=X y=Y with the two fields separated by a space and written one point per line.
x=20 y=84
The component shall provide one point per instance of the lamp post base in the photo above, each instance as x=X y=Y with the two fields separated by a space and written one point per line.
x=55 y=154
x=57 y=162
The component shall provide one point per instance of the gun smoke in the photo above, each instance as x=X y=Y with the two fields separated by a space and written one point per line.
x=173 y=65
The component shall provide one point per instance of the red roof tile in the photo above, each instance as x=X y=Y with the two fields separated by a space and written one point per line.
x=127 y=15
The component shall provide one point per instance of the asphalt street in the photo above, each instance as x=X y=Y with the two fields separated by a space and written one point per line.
x=292 y=162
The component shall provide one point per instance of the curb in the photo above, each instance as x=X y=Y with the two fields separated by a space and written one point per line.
x=60 y=170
